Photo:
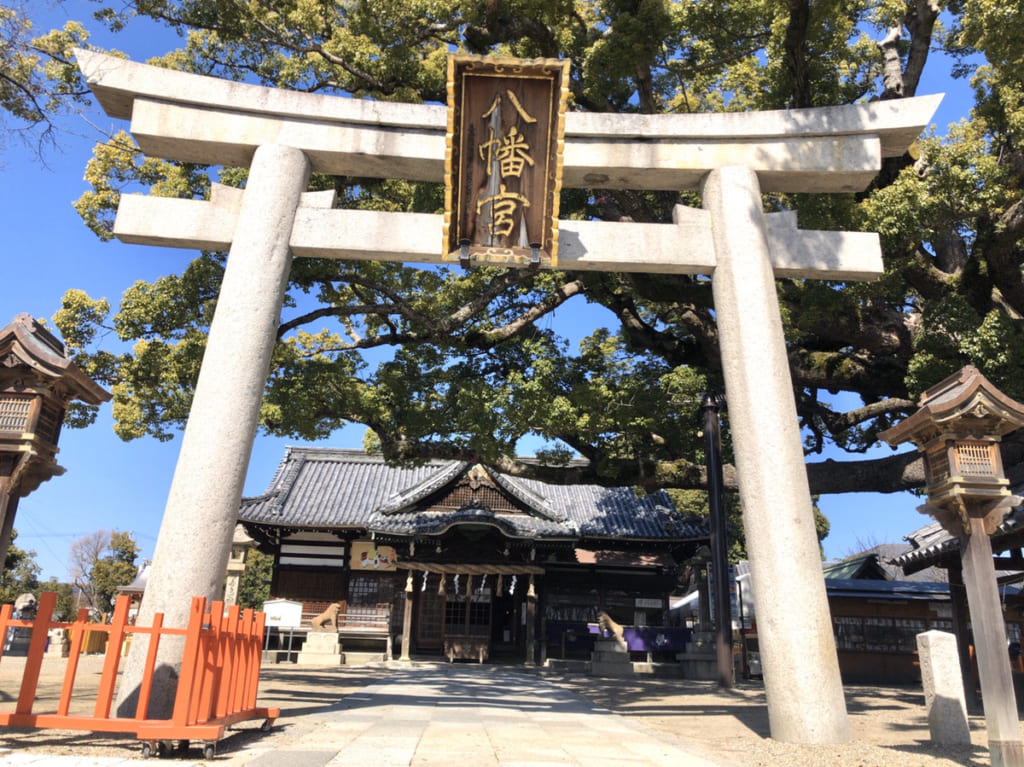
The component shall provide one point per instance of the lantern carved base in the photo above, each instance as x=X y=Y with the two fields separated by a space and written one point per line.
x=955 y=516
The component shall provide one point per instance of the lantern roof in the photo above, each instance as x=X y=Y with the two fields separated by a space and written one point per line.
x=24 y=342
x=966 y=403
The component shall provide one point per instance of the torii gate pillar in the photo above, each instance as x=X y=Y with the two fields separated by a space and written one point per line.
x=799 y=657
x=202 y=506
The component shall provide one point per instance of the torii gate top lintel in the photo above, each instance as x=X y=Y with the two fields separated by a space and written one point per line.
x=194 y=118
x=181 y=116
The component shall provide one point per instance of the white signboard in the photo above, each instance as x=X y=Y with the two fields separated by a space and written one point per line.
x=283 y=612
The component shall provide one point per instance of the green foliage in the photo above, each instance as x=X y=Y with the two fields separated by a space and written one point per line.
x=254 y=585
x=452 y=363
x=38 y=78
x=20 y=574
x=118 y=166
x=66 y=608
x=694 y=503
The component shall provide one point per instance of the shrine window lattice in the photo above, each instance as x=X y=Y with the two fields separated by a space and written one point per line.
x=482 y=497
x=974 y=458
x=14 y=413
x=370 y=590
x=16 y=410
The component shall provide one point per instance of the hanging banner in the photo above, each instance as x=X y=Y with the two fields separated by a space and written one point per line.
x=503 y=160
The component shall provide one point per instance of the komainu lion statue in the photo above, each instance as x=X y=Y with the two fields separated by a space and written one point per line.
x=328 y=619
x=609 y=627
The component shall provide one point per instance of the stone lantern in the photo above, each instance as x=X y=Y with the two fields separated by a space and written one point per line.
x=957 y=430
x=37 y=381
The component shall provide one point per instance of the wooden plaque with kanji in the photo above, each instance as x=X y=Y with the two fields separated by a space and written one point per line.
x=503 y=166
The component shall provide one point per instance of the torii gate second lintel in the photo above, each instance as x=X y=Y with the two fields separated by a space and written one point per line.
x=732 y=159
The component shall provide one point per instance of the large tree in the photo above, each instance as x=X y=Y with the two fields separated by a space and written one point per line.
x=461 y=364
x=99 y=564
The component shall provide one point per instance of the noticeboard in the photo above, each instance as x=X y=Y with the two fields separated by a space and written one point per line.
x=503 y=164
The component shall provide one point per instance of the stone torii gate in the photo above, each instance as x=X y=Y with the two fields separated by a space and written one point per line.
x=731 y=158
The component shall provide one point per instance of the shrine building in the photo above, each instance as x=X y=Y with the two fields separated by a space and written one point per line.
x=458 y=559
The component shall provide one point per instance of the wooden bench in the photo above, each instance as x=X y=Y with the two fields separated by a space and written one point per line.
x=369 y=622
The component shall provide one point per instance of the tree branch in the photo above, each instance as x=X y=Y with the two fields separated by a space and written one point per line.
x=795 y=52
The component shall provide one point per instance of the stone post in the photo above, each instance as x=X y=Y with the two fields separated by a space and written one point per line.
x=232 y=581
x=194 y=542
x=801 y=670
x=943 y=689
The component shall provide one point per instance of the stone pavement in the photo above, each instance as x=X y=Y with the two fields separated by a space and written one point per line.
x=433 y=714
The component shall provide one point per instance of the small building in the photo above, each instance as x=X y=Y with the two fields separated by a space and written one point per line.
x=467 y=561
x=877 y=613
x=882 y=598
x=876 y=623
x=934 y=547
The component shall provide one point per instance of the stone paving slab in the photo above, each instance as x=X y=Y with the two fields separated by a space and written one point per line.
x=441 y=714
x=295 y=758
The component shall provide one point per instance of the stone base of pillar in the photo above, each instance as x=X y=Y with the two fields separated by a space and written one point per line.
x=321 y=648
x=361 y=658
x=1006 y=753
x=610 y=658
x=700 y=660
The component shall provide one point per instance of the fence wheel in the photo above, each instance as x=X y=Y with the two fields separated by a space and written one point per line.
x=266 y=726
x=209 y=750
x=148 y=749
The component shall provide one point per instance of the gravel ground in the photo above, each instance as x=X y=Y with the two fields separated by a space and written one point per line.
x=888 y=724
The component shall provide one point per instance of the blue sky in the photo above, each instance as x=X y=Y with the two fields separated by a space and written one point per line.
x=112 y=484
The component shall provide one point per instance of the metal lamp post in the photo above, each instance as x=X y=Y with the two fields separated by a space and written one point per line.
x=957 y=430
x=711 y=406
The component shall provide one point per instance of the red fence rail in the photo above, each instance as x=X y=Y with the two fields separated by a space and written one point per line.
x=216 y=688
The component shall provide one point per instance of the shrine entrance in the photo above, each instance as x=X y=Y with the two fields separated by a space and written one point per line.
x=476 y=612
x=730 y=159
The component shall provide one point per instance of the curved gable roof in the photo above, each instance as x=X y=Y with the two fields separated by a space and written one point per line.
x=347 y=489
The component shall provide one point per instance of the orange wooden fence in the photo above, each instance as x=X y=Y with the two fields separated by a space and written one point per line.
x=217 y=682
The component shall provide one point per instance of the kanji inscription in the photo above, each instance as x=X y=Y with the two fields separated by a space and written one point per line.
x=503 y=166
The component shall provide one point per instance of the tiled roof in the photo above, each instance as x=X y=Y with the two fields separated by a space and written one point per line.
x=321 y=488
x=433 y=523
x=864 y=567
x=931 y=542
x=858 y=587
x=883 y=556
